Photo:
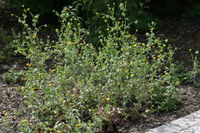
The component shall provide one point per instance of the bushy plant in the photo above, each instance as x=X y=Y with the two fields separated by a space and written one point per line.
x=7 y=47
x=73 y=86
x=13 y=76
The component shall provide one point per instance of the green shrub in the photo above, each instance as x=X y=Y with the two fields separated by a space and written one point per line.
x=13 y=76
x=7 y=45
x=74 y=87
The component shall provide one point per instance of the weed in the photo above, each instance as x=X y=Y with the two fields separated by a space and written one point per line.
x=84 y=87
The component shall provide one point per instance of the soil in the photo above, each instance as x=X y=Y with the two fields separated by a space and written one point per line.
x=183 y=35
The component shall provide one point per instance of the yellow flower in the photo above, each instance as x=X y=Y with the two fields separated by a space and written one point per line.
x=5 y=113
x=190 y=50
x=25 y=120
x=108 y=99
x=52 y=70
x=135 y=45
x=77 y=125
x=50 y=84
x=58 y=131
x=34 y=35
x=29 y=64
x=68 y=42
x=28 y=9
x=132 y=75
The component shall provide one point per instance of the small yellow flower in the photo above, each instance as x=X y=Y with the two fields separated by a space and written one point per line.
x=100 y=32
x=5 y=113
x=190 y=50
x=28 y=9
x=72 y=95
x=71 y=19
x=58 y=131
x=132 y=75
x=49 y=84
x=77 y=125
x=68 y=42
x=52 y=70
x=56 y=30
x=107 y=29
x=34 y=35
x=134 y=45
x=29 y=64
x=64 y=101
x=25 y=120
x=108 y=99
